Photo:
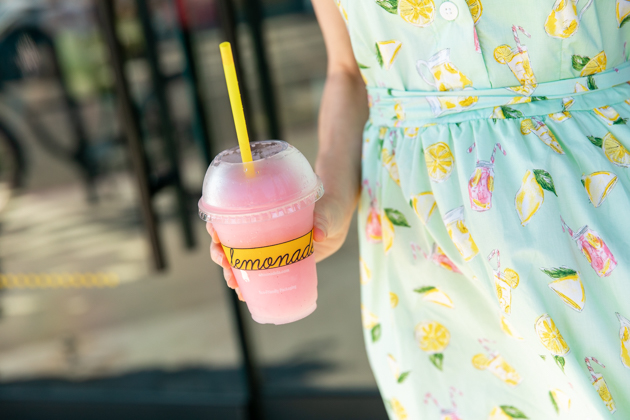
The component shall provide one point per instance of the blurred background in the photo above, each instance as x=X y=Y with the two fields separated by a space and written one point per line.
x=110 y=111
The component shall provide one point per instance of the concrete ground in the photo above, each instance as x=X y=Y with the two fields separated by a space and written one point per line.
x=179 y=319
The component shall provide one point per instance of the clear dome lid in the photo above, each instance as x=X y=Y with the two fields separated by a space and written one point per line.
x=278 y=181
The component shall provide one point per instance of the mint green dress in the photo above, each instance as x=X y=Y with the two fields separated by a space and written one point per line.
x=495 y=210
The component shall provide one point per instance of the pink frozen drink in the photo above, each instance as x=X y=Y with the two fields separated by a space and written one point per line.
x=263 y=214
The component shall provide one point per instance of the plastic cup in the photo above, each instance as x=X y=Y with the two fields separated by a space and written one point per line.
x=262 y=212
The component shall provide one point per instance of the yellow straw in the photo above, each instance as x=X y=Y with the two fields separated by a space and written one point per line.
x=235 y=101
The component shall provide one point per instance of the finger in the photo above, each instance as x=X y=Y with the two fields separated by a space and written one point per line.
x=240 y=295
x=212 y=233
x=321 y=224
x=229 y=278
x=218 y=256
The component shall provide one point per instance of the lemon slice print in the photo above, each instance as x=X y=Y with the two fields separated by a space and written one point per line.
x=598 y=185
x=435 y=295
x=417 y=12
x=588 y=66
x=622 y=11
x=480 y=361
x=365 y=272
x=439 y=161
x=503 y=54
x=510 y=277
x=613 y=149
x=527 y=126
x=529 y=198
x=475 y=9
x=568 y=286
x=424 y=205
x=386 y=52
x=561 y=400
x=509 y=329
x=388 y=232
x=624 y=337
x=393 y=299
x=550 y=337
x=393 y=366
x=399 y=411
x=433 y=337
x=389 y=161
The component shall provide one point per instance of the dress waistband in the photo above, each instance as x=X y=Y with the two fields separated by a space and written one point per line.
x=417 y=108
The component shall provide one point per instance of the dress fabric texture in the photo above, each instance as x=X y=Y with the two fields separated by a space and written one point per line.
x=494 y=217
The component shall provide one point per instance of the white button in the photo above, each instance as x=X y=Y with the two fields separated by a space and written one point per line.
x=448 y=10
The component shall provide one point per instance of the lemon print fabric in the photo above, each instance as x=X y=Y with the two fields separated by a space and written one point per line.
x=440 y=161
x=598 y=185
x=613 y=149
x=528 y=250
x=433 y=338
x=435 y=295
x=494 y=363
x=551 y=339
x=416 y=12
x=622 y=10
x=531 y=195
x=506 y=412
x=564 y=19
x=624 y=338
x=424 y=205
x=386 y=52
x=568 y=286
x=534 y=125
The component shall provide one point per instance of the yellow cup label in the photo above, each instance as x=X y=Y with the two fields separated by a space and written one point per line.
x=272 y=256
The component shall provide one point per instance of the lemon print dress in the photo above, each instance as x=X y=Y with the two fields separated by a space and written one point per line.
x=495 y=208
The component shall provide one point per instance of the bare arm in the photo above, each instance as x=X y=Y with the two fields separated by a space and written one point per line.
x=342 y=115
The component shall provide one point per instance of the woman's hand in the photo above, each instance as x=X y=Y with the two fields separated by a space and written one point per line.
x=332 y=221
x=218 y=256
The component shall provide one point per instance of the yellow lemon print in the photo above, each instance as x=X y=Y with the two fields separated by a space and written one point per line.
x=480 y=361
x=563 y=21
x=588 y=66
x=497 y=365
x=622 y=11
x=393 y=366
x=417 y=12
x=560 y=116
x=399 y=411
x=609 y=115
x=388 y=232
x=424 y=205
x=435 y=295
x=440 y=161
x=613 y=149
x=432 y=337
x=389 y=161
x=386 y=52
x=568 y=286
x=459 y=234
x=507 y=328
x=561 y=400
x=530 y=196
x=393 y=299
x=550 y=337
x=364 y=271
x=598 y=185
x=475 y=9
x=624 y=337
x=534 y=125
